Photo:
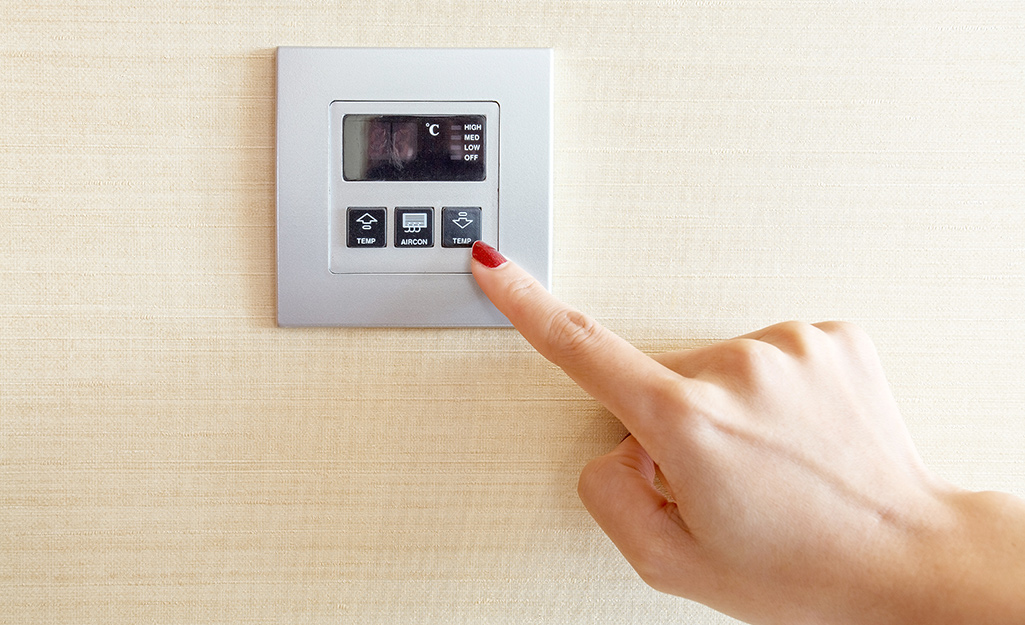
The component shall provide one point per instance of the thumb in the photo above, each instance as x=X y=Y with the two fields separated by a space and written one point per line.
x=618 y=489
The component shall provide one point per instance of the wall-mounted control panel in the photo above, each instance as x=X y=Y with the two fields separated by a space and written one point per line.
x=391 y=164
x=419 y=177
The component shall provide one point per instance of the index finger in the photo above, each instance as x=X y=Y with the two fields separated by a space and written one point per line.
x=617 y=374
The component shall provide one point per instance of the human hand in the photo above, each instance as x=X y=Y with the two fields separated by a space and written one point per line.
x=795 y=494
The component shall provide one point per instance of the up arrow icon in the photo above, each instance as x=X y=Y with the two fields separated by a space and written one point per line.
x=366 y=220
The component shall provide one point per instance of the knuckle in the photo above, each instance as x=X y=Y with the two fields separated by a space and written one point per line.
x=793 y=328
x=746 y=356
x=672 y=395
x=573 y=334
x=849 y=336
x=745 y=363
x=797 y=337
x=523 y=287
x=844 y=330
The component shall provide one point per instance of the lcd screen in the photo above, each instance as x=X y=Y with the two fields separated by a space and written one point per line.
x=413 y=148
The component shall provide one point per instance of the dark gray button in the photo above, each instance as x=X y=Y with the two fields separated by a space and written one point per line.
x=414 y=227
x=366 y=227
x=460 y=226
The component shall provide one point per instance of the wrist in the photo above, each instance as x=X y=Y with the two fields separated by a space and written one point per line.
x=993 y=537
x=969 y=565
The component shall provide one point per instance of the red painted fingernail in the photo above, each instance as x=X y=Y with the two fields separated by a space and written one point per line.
x=487 y=255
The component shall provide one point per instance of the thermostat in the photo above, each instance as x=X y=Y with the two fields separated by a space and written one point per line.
x=391 y=163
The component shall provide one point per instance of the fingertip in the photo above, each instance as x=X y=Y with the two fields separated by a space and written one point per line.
x=489 y=268
x=487 y=256
x=506 y=284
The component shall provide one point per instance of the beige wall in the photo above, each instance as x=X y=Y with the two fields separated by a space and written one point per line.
x=168 y=455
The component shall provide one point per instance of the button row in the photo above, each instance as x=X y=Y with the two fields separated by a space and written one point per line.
x=414 y=226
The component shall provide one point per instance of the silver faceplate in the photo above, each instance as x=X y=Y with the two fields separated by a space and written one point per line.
x=321 y=281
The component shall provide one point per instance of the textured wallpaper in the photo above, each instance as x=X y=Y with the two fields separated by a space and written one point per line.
x=168 y=455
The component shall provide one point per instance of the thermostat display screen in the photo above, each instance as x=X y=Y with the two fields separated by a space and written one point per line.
x=413 y=148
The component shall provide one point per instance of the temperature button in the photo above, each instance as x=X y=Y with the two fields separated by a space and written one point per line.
x=366 y=227
x=460 y=226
